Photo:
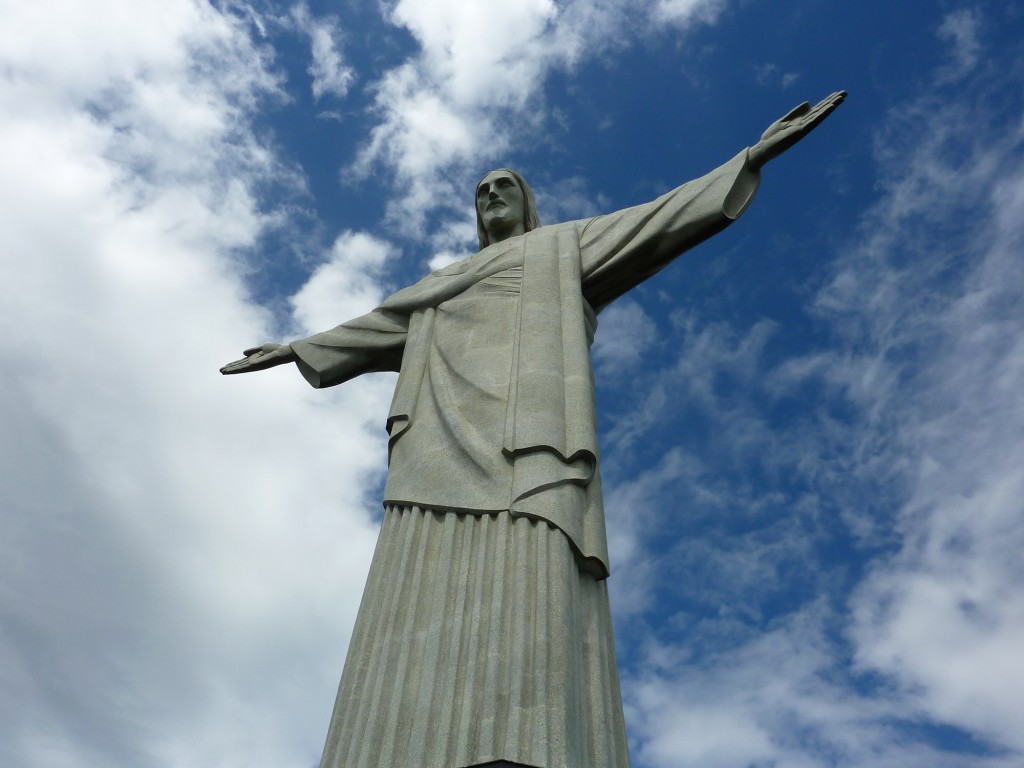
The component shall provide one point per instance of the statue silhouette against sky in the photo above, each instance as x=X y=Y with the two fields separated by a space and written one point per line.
x=484 y=636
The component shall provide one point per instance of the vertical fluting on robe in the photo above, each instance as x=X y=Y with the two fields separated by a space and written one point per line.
x=478 y=639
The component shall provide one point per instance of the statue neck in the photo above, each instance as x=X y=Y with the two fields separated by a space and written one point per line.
x=497 y=234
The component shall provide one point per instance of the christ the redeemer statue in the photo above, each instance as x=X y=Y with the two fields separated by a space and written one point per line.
x=484 y=636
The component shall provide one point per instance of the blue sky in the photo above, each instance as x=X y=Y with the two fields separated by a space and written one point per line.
x=812 y=426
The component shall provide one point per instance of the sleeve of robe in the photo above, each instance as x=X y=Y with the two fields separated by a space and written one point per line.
x=372 y=342
x=620 y=250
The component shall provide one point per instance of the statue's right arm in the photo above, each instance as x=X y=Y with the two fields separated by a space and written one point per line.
x=324 y=362
x=370 y=343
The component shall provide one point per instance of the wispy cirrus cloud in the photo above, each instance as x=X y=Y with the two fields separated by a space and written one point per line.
x=689 y=11
x=961 y=28
x=943 y=615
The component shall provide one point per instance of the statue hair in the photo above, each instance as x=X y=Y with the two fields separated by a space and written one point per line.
x=530 y=218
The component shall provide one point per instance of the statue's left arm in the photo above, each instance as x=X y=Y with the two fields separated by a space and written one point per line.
x=620 y=250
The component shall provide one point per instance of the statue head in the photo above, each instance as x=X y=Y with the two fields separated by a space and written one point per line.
x=501 y=213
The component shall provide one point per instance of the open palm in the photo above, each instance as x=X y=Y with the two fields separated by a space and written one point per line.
x=790 y=128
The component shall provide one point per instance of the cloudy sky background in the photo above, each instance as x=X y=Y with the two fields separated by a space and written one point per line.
x=812 y=426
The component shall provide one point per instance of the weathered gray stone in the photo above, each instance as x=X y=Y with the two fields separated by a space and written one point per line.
x=484 y=637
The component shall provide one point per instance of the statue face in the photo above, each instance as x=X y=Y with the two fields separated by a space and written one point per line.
x=499 y=201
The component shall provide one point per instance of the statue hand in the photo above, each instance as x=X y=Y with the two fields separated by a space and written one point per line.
x=259 y=358
x=789 y=129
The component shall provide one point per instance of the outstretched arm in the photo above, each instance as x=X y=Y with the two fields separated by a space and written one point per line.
x=372 y=342
x=789 y=129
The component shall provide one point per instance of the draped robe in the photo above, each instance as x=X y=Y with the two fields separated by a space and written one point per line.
x=494 y=525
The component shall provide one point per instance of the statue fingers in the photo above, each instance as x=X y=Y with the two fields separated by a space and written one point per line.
x=238 y=366
x=829 y=103
x=823 y=109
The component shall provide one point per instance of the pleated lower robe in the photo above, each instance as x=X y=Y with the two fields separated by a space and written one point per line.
x=478 y=640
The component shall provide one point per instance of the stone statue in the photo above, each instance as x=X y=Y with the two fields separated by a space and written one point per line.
x=484 y=636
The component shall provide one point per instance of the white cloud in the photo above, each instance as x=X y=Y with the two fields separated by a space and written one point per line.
x=444 y=258
x=689 y=11
x=772 y=74
x=625 y=334
x=346 y=286
x=945 y=616
x=706 y=353
x=159 y=519
x=481 y=58
x=634 y=509
x=569 y=199
x=961 y=29
x=331 y=75
x=440 y=109
x=775 y=700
